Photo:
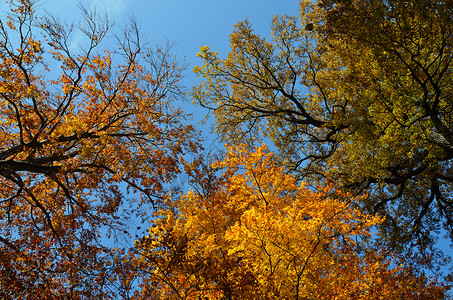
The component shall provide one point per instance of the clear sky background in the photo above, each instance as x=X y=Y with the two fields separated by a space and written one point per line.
x=190 y=23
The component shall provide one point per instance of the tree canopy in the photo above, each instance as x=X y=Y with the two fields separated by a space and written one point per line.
x=82 y=132
x=91 y=141
x=253 y=232
x=357 y=91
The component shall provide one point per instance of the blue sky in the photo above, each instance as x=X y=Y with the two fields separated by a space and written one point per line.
x=191 y=24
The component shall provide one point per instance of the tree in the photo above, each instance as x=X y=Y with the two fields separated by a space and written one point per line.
x=252 y=232
x=360 y=90
x=84 y=135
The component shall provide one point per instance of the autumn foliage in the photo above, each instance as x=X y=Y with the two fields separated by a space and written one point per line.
x=90 y=142
x=252 y=232
x=79 y=130
x=360 y=90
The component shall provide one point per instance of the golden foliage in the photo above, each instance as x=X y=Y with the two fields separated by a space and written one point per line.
x=253 y=233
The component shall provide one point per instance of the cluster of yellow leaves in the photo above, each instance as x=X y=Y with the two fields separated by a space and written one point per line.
x=253 y=233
